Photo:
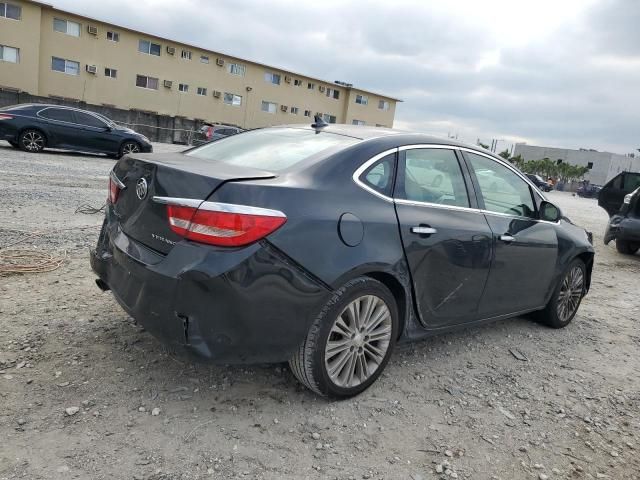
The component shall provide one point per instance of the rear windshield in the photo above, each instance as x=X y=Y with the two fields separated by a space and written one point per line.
x=272 y=149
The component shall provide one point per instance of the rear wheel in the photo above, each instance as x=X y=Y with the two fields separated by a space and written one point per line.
x=567 y=296
x=350 y=342
x=628 y=248
x=32 y=141
x=128 y=147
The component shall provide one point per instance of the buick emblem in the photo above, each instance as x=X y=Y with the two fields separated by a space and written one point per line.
x=141 y=188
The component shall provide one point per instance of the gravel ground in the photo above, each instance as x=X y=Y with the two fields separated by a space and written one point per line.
x=86 y=393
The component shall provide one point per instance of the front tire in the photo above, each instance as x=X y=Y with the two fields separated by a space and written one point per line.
x=350 y=341
x=32 y=141
x=567 y=296
x=128 y=147
x=625 y=247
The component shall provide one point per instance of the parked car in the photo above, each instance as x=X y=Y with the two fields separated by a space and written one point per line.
x=620 y=198
x=589 y=191
x=539 y=182
x=325 y=246
x=210 y=133
x=34 y=127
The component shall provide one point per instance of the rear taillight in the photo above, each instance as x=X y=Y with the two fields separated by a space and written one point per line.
x=115 y=185
x=223 y=224
x=6 y=116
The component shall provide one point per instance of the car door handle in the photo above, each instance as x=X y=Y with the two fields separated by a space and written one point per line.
x=423 y=230
x=507 y=238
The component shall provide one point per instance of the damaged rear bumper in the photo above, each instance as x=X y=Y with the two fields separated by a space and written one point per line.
x=247 y=305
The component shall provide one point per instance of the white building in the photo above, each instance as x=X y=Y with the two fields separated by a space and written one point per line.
x=603 y=165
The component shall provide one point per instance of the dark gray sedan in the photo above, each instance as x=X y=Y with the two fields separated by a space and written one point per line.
x=324 y=246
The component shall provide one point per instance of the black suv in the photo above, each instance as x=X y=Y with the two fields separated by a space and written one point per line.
x=620 y=197
x=34 y=127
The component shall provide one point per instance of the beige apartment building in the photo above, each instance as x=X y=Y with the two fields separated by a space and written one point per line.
x=53 y=53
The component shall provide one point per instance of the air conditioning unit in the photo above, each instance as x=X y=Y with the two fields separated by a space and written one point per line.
x=92 y=69
x=284 y=108
x=216 y=94
x=322 y=88
x=220 y=62
x=92 y=29
x=171 y=50
x=287 y=78
x=167 y=84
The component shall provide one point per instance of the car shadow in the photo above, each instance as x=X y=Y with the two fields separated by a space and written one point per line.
x=55 y=151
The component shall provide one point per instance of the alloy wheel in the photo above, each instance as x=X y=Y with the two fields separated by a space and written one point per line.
x=358 y=341
x=570 y=293
x=33 y=141
x=130 y=148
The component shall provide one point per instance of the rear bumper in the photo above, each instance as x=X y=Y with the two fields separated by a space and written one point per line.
x=248 y=305
x=622 y=228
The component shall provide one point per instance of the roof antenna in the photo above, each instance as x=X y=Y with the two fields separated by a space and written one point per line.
x=318 y=123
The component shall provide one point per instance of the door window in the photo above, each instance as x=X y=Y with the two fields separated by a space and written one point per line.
x=379 y=176
x=89 y=120
x=58 y=114
x=502 y=190
x=433 y=176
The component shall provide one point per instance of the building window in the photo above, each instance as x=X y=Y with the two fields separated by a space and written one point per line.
x=186 y=54
x=362 y=99
x=234 y=100
x=65 y=66
x=65 y=26
x=9 y=10
x=269 y=107
x=143 y=81
x=272 y=78
x=204 y=59
x=329 y=118
x=9 y=54
x=307 y=113
x=111 y=72
x=202 y=91
x=113 y=36
x=590 y=165
x=183 y=87
x=383 y=105
x=333 y=93
x=149 y=48
x=294 y=110
x=358 y=122
x=236 y=69
x=311 y=86
x=297 y=82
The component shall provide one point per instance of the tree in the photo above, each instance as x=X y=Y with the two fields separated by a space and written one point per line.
x=505 y=154
x=480 y=144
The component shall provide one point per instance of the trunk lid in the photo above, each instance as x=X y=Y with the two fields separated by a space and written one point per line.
x=167 y=175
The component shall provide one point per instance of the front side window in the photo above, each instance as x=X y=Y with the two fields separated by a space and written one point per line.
x=146 y=82
x=236 y=69
x=269 y=107
x=9 y=10
x=272 y=78
x=362 y=99
x=202 y=91
x=432 y=175
x=9 y=54
x=272 y=149
x=380 y=175
x=88 y=120
x=383 y=105
x=183 y=87
x=66 y=26
x=503 y=191
x=150 y=48
x=232 y=99
x=69 y=67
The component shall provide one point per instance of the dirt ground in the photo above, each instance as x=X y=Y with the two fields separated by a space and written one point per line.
x=87 y=394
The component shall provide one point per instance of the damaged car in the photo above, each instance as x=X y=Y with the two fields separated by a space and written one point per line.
x=326 y=245
x=620 y=198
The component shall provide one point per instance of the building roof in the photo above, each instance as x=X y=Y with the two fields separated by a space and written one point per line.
x=191 y=45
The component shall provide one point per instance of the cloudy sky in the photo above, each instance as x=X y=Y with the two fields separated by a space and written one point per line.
x=551 y=72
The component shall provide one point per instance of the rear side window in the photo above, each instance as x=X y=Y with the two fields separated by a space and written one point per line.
x=379 y=176
x=502 y=190
x=432 y=175
x=272 y=149
x=58 y=114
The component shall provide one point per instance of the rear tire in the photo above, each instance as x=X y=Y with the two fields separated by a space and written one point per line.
x=32 y=140
x=627 y=248
x=128 y=147
x=350 y=341
x=567 y=296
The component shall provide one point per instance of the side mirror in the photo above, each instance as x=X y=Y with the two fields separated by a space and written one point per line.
x=549 y=212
